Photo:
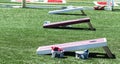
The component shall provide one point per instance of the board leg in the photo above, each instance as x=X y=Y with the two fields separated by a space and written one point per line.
x=83 y=12
x=107 y=50
x=90 y=25
x=23 y=3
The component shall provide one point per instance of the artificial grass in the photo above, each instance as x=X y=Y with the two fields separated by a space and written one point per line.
x=21 y=33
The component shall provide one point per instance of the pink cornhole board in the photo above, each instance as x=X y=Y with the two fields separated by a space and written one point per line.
x=72 y=46
x=68 y=22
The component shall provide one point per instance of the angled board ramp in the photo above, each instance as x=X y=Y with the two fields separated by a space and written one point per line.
x=67 y=10
x=72 y=46
x=69 y=22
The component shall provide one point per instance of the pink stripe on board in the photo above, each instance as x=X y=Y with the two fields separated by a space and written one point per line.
x=55 y=1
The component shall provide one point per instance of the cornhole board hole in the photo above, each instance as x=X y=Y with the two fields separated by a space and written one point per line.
x=72 y=46
x=67 y=10
x=69 y=22
x=103 y=3
x=55 y=1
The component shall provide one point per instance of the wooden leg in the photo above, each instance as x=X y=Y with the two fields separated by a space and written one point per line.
x=90 y=25
x=107 y=50
x=83 y=12
x=23 y=3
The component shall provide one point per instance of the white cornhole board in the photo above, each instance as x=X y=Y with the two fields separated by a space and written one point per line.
x=96 y=3
x=42 y=1
x=72 y=46
x=66 y=10
x=30 y=1
x=26 y=0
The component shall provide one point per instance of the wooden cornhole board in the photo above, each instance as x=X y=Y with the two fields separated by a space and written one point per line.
x=72 y=46
x=69 y=22
x=67 y=10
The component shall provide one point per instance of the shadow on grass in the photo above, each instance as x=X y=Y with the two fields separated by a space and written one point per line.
x=58 y=57
x=92 y=55
x=70 y=14
x=72 y=28
x=116 y=10
x=100 y=55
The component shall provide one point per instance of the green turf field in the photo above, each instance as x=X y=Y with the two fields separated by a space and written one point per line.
x=21 y=33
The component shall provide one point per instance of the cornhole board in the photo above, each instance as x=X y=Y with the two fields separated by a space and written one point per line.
x=69 y=22
x=67 y=10
x=55 y=1
x=103 y=3
x=26 y=0
x=72 y=46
